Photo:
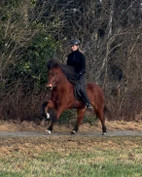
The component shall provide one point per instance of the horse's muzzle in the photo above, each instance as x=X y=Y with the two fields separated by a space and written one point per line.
x=49 y=86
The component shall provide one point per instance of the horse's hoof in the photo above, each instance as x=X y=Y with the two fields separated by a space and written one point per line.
x=48 y=131
x=74 y=132
x=104 y=133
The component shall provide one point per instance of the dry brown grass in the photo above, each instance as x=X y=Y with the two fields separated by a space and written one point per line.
x=11 y=126
x=36 y=145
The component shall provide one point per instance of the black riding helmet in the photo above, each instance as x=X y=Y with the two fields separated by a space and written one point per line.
x=74 y=42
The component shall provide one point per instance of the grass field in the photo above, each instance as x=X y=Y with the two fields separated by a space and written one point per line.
x=71 y=156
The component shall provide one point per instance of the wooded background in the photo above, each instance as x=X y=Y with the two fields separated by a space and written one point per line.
x=34 y=31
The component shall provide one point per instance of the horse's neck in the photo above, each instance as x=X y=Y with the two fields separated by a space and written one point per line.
x=64 y=83
x=63 y=79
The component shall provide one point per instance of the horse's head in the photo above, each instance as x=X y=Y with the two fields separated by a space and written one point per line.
x=55 y=74
x=52 y=78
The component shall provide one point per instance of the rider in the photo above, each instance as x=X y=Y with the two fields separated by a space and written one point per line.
x=76 y=59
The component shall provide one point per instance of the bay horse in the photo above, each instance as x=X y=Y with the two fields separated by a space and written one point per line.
x=62 y=98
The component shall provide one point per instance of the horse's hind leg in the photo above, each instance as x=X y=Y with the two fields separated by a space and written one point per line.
x=80 y=115
x=100 y=114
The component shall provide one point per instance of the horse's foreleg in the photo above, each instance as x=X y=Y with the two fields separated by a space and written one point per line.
x=49 y=105
x=80 y=115
x=54 y=119
x=50 y=128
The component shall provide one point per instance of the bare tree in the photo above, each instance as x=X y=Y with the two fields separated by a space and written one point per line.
x=111 y=37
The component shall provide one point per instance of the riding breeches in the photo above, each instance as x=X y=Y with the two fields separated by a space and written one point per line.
x=80 y=90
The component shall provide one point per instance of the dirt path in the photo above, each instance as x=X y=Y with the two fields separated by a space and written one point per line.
x=80 y=134
x=30 y=129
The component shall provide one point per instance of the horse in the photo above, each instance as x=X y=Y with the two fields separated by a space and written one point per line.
x=63 y=98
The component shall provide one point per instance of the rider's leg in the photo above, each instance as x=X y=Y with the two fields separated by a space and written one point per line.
x=83 y=92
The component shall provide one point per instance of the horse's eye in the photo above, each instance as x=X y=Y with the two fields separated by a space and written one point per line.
x=53 y=74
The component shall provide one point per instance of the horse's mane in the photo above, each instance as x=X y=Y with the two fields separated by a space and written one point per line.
x=67 y=70
x=52 y=63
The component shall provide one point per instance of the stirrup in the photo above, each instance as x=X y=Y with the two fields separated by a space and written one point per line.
x=89 y=106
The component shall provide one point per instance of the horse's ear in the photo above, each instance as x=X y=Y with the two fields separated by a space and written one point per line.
x=52 y=63
x=49 y=64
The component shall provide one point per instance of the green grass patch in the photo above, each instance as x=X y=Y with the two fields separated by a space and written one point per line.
x=9 y=174
x=107 y=157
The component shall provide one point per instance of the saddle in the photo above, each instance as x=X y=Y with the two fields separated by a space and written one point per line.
x=71 y=75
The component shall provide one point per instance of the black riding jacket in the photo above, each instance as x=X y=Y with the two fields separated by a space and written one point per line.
x=77 y=60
